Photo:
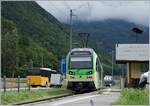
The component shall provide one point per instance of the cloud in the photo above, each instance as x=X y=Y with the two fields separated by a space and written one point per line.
x=133 y=11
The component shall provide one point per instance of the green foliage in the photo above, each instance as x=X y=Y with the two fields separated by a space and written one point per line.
x=133 y=97
x=9 y=50
x=25 y=95
x=30 y=34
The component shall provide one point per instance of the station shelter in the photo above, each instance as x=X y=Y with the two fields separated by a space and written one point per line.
x=135 y=57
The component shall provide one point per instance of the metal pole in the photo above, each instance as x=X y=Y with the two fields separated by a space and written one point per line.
x=31 y=63
x=18 y=83
x=102 y=75
x=122 y=76
x=70 y=29
x=29 y=83
x=4 y=81
x=42 y=61
x=112 y=73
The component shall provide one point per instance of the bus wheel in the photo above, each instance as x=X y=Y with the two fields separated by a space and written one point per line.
x=33 y=86
x=46 y=85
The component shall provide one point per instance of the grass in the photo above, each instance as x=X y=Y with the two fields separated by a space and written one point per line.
x=24 y=95
x=133 y=97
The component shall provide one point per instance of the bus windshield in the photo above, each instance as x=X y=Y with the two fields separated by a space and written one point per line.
x=39 y=72
x=33 y=72
x=80 y=62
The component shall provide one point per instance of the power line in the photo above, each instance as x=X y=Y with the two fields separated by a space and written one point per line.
x=89 y=11
x=80 y=6
x=66 y=4
x=59 y=11
x=57 y=22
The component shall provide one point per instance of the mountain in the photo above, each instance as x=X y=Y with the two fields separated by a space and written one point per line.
x=106 y=33
x=30 y=37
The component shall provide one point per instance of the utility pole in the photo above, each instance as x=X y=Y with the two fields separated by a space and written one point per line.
x=42 y=61
x=31 y=63
x=112 y=73
x=137 y=31
x=71 y=15
x=71 y=29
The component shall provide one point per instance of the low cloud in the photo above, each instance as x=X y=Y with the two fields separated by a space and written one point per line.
x=133 y=11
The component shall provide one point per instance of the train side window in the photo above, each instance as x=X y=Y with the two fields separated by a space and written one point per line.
x=97 y=65
x=97 y=68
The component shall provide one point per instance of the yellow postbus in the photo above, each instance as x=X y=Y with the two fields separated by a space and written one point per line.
x=39 y=76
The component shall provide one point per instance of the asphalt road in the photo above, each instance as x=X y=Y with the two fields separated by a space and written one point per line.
x=90 y=99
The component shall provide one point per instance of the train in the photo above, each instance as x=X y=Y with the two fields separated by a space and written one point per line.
x=83 y=69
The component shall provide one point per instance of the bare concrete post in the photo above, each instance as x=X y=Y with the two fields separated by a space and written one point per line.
x=4 y=83
x=18 y=83
x=29 y=83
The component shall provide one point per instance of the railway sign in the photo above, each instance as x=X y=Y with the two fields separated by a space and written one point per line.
x=132 y=52
x=63 y=67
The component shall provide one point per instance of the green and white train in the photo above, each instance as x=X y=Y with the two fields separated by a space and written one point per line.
x=83 y=69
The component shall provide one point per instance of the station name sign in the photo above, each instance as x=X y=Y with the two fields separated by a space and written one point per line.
x=132 y=52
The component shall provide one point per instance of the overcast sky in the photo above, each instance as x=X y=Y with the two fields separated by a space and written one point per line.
x=133 y=11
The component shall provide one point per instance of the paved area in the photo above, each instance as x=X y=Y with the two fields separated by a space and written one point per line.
x=90 y=99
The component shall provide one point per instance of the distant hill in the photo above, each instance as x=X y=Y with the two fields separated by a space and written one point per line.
x=30 y=35
x=107 y=33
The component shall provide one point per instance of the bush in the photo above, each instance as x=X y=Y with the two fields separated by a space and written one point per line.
x=133 y=97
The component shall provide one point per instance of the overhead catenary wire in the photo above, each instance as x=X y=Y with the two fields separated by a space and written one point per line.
x=59 y=11
x=57 y=22
x=68 y=7
x=66 y=4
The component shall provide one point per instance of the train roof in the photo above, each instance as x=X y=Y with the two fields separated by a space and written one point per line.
x=82 y=49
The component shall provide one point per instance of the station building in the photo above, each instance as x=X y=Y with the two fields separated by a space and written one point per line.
x=135 y=58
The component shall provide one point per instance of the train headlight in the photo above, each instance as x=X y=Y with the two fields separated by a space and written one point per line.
x=71 y=73
x=90 y=72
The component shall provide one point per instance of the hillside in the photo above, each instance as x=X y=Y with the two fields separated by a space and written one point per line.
x=30 y=36
x=107 y=33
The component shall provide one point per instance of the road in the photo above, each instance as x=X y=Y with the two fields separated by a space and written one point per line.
x=89 y=99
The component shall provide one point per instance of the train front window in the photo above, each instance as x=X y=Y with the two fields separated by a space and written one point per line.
x=81 y=62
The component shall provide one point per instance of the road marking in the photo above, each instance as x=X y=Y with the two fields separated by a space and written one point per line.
x=73 y=100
